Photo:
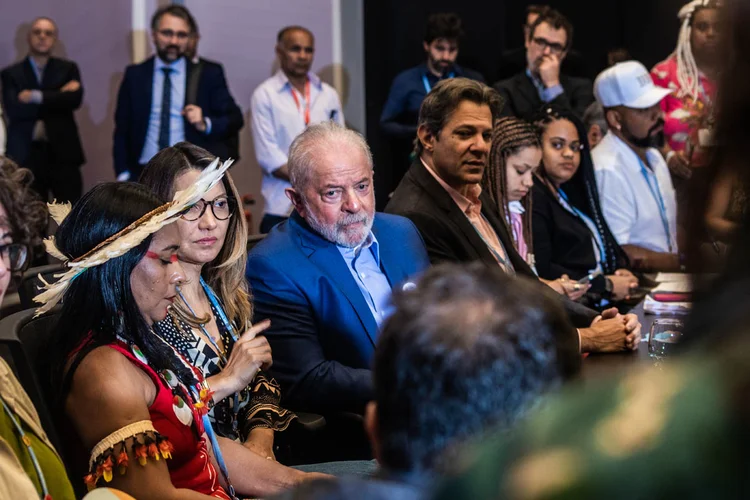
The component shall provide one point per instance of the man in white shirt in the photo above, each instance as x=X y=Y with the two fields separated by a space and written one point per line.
x=282 y=107
x=635 y=189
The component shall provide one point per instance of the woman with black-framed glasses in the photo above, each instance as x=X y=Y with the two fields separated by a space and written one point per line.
x=23 y=218
x=210 y=323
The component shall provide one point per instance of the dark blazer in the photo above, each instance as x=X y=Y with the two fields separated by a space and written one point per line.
x=56 y=110
x=562 y=241
x=134 y=108
x=449 y=235
x=522 y=98
x=322 y=331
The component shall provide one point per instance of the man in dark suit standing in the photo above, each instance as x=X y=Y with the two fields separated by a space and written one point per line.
x=165 y=100
x=549 y=40
x=441 y=193
x=324 y=276
x=40 y=94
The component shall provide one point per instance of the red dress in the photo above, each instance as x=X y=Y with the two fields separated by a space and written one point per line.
x=190 y=466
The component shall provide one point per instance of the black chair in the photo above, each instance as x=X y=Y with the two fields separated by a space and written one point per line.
x=30 y=285
x=24 y=341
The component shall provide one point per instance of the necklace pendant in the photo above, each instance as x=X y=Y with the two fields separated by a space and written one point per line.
x=138 y=354
x=182 y=411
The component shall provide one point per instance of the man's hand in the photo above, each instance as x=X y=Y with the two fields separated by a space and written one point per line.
x=25 y=96
x=611 y=332
x=549 y=70
x=71 y=86
x=678 y=164
x=194 y=115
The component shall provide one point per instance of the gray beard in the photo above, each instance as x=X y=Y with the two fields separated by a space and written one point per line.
x=334 y=234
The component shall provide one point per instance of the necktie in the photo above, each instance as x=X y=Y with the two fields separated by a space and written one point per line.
x=166 y=104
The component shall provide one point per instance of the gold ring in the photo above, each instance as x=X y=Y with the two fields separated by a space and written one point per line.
x=577 y=287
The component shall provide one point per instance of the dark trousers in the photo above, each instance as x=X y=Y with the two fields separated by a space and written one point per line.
x=63 y=181
x=268 y=221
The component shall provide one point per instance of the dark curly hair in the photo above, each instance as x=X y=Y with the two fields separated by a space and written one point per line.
x=27 y=214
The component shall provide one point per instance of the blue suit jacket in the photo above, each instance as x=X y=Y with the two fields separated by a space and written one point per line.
x=134 y=108
x=322 y=332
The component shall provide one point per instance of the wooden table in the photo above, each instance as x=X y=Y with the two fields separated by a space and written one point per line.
x=597 y=366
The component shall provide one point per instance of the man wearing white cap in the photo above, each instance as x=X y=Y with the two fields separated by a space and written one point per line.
x=635 y=188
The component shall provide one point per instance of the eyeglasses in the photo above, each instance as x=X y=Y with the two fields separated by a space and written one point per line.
x=181 y=35
x=543 y=43
x=15 y=256
x=220 y=207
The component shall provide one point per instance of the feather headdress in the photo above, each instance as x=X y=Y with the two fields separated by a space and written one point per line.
x=130 y=237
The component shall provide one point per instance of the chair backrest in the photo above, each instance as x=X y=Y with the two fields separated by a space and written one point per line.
x=23 y=342
x=23 y=359
x=253 y=240
x=30 y=285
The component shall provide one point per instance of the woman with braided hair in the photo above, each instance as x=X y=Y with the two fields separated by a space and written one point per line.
x=690 y=72
x=570 y=233
x=514 y=156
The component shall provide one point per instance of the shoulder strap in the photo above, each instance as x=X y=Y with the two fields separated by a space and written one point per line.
x=194 y=77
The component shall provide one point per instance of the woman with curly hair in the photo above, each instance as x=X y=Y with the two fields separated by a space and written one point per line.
x=38 y=470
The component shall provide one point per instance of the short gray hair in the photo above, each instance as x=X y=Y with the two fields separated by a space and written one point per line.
x=594 y=115
x=315 y=138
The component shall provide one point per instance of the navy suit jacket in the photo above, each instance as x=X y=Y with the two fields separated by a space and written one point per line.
x=134 y=108
x=56 y=110
x=322 y=332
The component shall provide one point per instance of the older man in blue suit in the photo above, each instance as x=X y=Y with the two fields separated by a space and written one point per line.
x=168 y=98
x=324 y=277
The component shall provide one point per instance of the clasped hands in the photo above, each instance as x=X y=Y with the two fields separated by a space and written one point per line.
x=611 y=332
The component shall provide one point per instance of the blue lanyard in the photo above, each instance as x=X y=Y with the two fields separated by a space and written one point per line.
x=27 y=442
x=426 y=82
x=656 y=193
x=582 y=216
x=222 y=315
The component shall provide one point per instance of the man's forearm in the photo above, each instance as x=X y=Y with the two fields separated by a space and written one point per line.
x=648 y=260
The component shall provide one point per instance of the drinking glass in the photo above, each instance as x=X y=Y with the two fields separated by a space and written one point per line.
x=663 y=338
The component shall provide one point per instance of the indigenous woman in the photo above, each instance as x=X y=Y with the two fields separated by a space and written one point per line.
x=209 y=323
x=136 y=402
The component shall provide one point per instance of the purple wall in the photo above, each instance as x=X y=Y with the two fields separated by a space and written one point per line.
x=96 y=35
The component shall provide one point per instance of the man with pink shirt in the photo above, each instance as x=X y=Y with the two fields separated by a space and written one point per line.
x=441 y=193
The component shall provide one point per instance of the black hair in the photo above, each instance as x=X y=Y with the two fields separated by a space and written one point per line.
x=557 y=20
x=469 y=347
x=176 y=11
x=443 y=25
x=581 y=189
x=99 y=304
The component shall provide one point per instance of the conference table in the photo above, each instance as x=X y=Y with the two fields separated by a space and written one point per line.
x=598 y=366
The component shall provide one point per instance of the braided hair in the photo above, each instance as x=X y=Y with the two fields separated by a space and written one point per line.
x=581 y=189
x=509 y=136
x=687 y=70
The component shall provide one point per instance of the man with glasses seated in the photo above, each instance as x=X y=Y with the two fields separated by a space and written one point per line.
x=549 y=40
x=166 y=99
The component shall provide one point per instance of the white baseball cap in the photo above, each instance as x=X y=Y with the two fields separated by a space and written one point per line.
x=628 y=84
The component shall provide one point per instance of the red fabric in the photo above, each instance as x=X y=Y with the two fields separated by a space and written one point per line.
x=190 y=466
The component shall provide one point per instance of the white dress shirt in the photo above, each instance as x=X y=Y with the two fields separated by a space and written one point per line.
x=277 y=121
x=636 y=211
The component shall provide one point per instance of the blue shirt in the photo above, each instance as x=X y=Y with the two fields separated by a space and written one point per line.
x=364 y=264
x=401 y=110
x=545 y=94
x=178 y=77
